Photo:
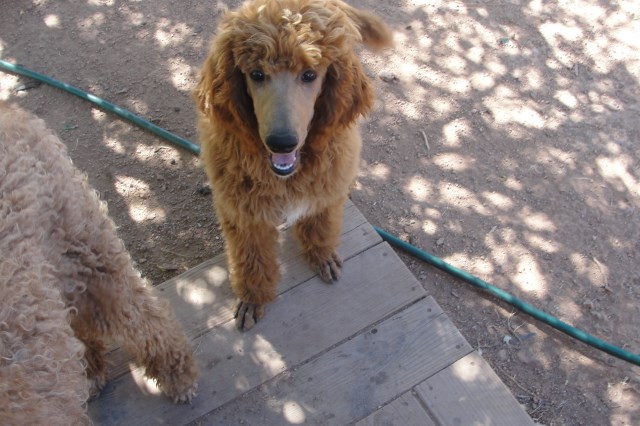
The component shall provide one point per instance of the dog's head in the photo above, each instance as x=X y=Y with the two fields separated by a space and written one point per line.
x=281 y=70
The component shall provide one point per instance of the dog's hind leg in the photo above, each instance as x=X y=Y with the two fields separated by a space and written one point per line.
x=128 y=312
x=117 y=304
x=253 y=266
x=93 y=356
x=319 y=235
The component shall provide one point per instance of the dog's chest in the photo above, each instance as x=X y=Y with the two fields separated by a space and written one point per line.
x=296 y=211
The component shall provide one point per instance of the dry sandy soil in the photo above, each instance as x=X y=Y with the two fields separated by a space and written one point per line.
x=504 y=141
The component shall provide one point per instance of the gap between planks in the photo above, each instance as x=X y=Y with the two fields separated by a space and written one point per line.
x=202 y=299
x=355 y=378
x=280 y=361
x=303 y=322
x=470 y=392
x=466 y=392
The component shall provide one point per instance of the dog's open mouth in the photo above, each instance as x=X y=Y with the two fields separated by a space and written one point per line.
x=284 y=164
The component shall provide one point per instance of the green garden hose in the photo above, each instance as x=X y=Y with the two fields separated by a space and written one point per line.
x=147 y=125
x=506 y=297
x=395 y=241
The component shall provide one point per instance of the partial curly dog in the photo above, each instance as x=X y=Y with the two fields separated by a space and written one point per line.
x=278 y=98
x=66 y=285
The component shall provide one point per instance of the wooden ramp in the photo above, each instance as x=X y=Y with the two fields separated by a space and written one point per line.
x=371 y=349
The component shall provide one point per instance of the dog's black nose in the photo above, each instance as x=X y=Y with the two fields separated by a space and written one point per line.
x=282 y=142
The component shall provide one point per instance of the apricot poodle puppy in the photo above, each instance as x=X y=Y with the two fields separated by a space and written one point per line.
x=67 y=284
x=278 y=98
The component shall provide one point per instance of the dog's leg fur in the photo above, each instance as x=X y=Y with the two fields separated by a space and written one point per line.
x=254 y=269
x=142 y=325
x=94 y=357
x=319 y=235
x=111 y=298
x=240 y=117
x=48 y=208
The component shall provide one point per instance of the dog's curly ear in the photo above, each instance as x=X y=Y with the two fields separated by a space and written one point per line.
x=347 y=92
x=221 y=92
x=346 y=95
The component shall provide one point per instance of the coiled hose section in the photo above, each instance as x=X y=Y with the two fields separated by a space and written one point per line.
x=391 y=239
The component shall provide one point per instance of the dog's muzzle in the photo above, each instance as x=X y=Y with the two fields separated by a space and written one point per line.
x=284 y=155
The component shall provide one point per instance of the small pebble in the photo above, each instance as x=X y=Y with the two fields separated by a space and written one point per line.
x=387 y=76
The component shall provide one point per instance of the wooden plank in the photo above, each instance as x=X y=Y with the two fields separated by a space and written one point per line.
x=202 y=298
x=301 y=323
x=406 y=410
x=469 y=392
x=204 y=291
x=296 y=270
x=355 y=378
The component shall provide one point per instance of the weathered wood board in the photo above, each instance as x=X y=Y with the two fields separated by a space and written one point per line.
x=372 y=348
x=202 y=298
x=355 y=378
x=301 y=323
x=406 y=410
x=469 y=392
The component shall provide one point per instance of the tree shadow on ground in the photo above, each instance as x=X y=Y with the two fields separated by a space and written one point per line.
x=506 y=147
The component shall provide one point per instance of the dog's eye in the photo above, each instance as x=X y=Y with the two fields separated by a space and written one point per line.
x=257 y=75
x=308 y=76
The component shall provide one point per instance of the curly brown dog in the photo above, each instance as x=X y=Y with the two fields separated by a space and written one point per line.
x=67 y=284
x=278 y=99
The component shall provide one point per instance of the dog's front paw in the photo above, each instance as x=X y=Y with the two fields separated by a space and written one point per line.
x=328 y=269
x=175 y=373
x=186 y=396
x=247 y=315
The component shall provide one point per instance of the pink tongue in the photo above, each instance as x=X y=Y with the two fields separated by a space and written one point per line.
x=284 y=159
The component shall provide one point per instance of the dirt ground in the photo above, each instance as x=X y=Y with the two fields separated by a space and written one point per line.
x=504 y=140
